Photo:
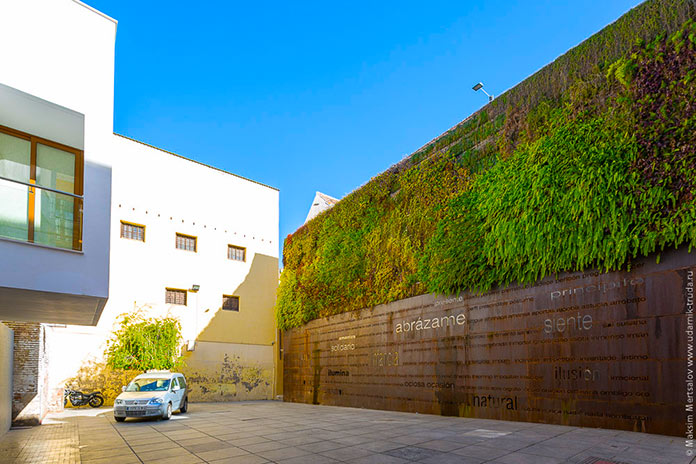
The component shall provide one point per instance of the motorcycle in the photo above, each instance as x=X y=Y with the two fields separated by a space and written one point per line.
x=77 y=398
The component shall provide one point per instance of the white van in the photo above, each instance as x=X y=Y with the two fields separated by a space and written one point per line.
x=153 y=394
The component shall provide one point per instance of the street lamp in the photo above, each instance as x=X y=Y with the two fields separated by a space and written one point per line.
x=478 y=87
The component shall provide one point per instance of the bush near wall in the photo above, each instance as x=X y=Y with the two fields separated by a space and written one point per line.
x=588 y=163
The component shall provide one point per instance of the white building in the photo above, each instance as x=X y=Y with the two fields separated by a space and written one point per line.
x=196 y=243
x=321 y=203
x=87 y=215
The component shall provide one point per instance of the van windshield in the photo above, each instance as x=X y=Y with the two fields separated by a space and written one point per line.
x=141 y=385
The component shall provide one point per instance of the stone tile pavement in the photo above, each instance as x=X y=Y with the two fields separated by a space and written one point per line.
x=269 y=431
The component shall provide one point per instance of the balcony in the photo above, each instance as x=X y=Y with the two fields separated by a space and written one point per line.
x=55 y=204
x=40 y=191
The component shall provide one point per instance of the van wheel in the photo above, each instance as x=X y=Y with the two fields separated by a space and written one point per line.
x=184 y=407
x=168 y=413
x=119 y=419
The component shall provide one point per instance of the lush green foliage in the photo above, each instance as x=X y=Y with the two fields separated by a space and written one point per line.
x=589 y=163
x=142 y=344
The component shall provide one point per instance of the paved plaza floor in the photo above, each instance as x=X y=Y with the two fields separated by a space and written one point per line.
x=288 y=433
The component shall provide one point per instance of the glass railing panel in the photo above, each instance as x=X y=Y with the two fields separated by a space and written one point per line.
x=14 y=205
x=57 y=219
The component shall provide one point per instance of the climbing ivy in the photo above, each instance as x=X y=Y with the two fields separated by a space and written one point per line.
x=142 y=343
x=589 y=163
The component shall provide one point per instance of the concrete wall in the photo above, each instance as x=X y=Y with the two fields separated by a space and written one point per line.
x=6 y=355
x=63 y=56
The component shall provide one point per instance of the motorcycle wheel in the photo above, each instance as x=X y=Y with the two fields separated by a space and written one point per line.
x=96 y=401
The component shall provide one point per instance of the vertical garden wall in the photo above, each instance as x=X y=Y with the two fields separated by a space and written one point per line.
x=589 y=163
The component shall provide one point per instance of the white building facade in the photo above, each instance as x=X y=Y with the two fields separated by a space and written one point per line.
x=196 y=243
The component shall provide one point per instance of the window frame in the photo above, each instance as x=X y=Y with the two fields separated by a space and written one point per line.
x=172 y=289
x=239 y=305
x=195 y=242
x=78 y=194
x=236 y=247
x=132 y=224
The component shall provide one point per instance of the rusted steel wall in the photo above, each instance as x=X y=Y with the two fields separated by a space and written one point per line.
x=585 y=348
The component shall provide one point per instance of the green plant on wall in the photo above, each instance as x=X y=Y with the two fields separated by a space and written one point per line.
x=589 y=163
x=142 y=343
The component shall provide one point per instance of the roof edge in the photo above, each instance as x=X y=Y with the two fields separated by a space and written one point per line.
x=197 y=162
x=96 y=11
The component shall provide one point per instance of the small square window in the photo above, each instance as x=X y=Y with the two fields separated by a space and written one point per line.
x=174 y=296
x=186 y=242
x=230 y=303
x=132 y=231
x=236 y=253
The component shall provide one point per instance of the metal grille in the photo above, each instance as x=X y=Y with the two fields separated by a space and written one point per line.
x=230 y=303
x=132 y=231
x=185 y=242
x=236 y=253
x=177 y=297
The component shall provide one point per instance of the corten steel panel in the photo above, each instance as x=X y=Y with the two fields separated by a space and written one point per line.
x=584 y=349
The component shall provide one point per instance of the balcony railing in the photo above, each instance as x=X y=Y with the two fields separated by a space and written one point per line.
x=43 y=215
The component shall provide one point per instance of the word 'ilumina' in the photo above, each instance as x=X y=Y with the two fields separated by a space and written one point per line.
x=434 y=323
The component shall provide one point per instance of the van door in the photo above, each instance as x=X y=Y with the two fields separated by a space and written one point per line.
x=178 y=393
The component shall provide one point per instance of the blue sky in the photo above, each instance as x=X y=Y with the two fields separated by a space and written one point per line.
x=308 y=96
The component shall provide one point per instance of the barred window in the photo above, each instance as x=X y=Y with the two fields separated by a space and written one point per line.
x=174 y=296
x=132 y=231
x=230 y=303
x=185 y=242
x=236 y=253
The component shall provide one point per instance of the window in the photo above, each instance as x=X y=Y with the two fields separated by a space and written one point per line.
x=230 y=303
x=236 y=253
x=40 y=190
x=185 y=242
x=174 y=296
x=132 y=231
x=182 y=382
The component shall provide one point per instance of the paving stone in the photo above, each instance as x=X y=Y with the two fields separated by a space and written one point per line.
x=379 y=459
x=213 y=446
x=482 y=452
x=348 y=453
x=308 y=459
x=320 y=446
x=230 y=452
x=283 y=453
x=523 y=458
x=413 y=453
x=246 y=459
x=268 y=445
x=441 y=445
